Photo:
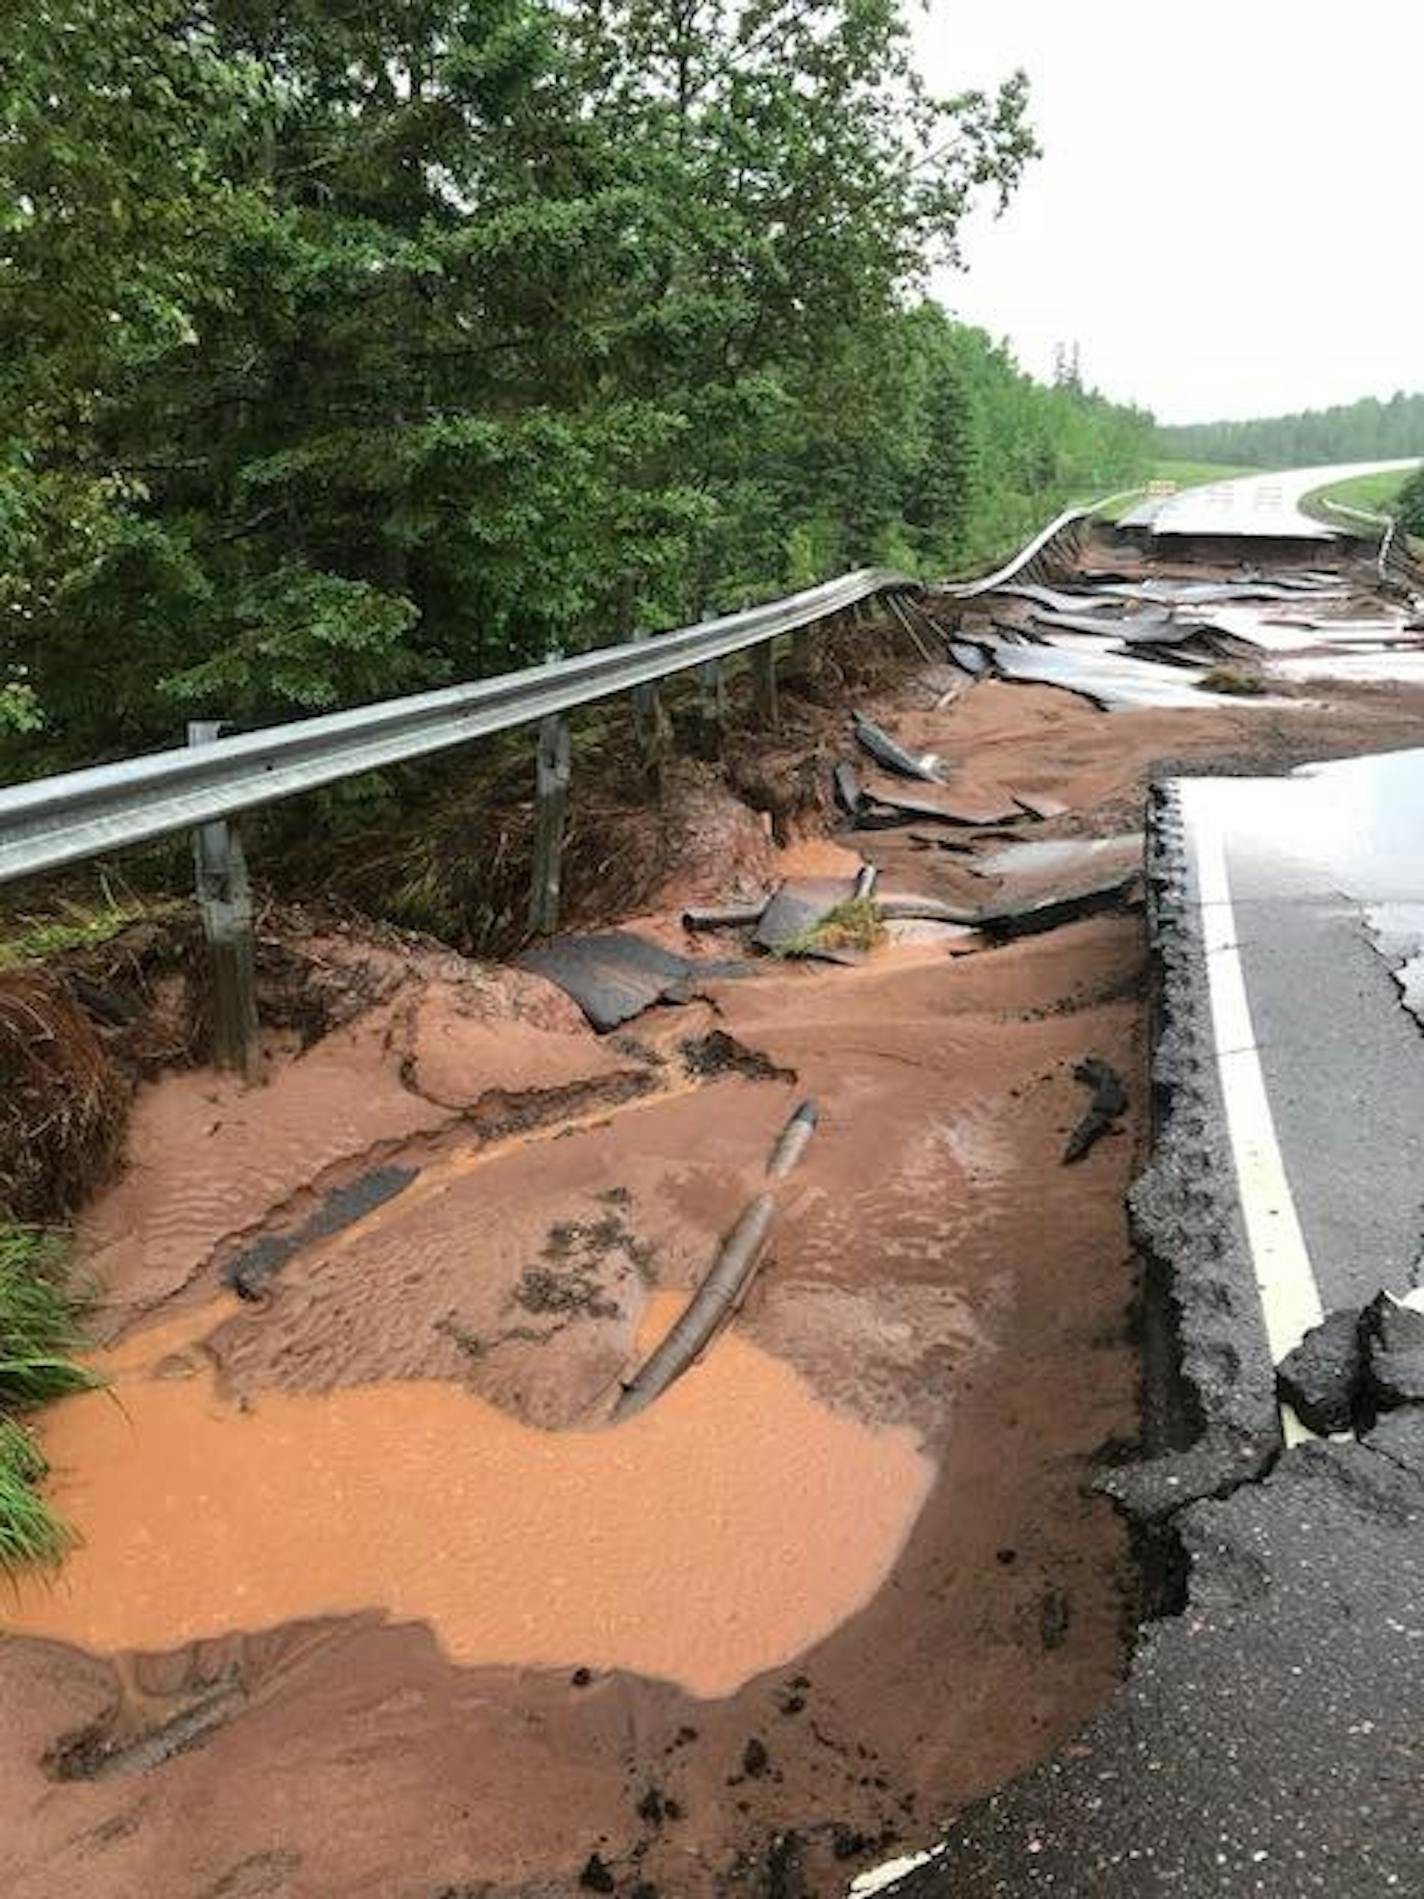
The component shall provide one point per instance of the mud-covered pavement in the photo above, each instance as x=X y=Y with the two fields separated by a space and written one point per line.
x=373 y=1599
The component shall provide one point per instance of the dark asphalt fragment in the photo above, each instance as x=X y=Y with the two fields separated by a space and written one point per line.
x=615 y=975
x=847 y=787
x=971 y=658
x=790 y=919
x=1108 y=1104
x=1392 y=1338
x=249 y=1272
x=1048 y=913
x=596 y=1877
x=890 y=753
x=723 y=916
x=1320 y=1379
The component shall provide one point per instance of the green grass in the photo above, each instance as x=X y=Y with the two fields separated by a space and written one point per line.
x=1233 y=680
x=40 y=1318
x=854 y=924
x=30 y=1532
x=1373 y=494
x=27 y=939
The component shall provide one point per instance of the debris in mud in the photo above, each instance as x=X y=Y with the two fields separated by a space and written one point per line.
x=847 y=788
x=112 y=1746
x=250 y=1271
x=568 y=1282
x=890 y=753
x=755 y=1758
x=1320 y=1379
x=541 y=1290
x=793 y=923
x=726 y=1281
x=884 y=807
x=1048 y=913
x=899 y=909
x=596 y=1876
x=1232 y=680
x=615 y=975
x=1038 y=804
x=1108 y=1105
x=725 y=916
x=1054 y=1615
x=1113 y=682
x=718 y=1053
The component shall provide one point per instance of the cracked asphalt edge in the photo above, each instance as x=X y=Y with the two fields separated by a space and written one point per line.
x=1210 y=1414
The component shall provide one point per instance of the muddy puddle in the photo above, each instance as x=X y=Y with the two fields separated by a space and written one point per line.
x=721 y=1533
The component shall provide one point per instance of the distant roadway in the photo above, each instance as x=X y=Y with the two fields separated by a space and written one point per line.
x=1266 y=505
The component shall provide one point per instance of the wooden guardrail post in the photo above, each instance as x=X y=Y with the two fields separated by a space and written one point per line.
x=225 y=905
x=764 y=684
x=552 y=768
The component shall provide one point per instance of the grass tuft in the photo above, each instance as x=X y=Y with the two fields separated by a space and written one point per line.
x=1232 y=679
x=29 y=939
x=30 y=1532
x=854 y=924
x=39 y=1327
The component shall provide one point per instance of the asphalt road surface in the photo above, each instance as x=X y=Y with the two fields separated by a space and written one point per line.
x=1269 y=1739
x=1312 y=889
x=1265 y=505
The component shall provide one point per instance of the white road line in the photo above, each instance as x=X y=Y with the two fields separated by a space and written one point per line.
x=1285 y=1279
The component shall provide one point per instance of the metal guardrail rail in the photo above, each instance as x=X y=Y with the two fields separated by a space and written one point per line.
x=1395 y=563
x=52 y=822
x=63 y=820
x=1062 y=536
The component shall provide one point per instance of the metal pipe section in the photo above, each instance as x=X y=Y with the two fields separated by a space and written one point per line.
x=727 y=1280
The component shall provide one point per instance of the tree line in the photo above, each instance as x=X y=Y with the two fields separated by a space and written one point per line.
x=354 y=349
x=1364 y=431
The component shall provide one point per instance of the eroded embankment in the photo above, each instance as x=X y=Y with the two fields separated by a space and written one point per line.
x=372 y=1599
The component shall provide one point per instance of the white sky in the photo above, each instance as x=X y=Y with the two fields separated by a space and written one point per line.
x=1222 y=214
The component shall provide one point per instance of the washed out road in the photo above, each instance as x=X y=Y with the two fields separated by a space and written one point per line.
x=1266 y=506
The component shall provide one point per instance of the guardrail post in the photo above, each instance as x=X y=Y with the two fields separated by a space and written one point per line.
x=712 y=705
x=225 y=904
x=650 y=722
x=764 y=683
x=551 y=789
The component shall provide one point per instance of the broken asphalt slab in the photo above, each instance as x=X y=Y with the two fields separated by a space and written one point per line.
x=614 y=975
x=787 y=923
x=893 y=756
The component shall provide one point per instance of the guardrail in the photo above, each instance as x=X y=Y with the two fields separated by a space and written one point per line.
x=53 y=822
x=56 y=821
x=1395 y=563
x=1060 y=540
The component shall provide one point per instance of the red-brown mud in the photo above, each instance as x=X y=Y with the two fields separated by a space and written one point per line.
x=313 y=1645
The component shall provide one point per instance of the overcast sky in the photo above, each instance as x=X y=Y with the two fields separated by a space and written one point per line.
x=1221 y=215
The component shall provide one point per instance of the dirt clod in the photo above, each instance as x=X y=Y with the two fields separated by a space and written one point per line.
x=596 y=1876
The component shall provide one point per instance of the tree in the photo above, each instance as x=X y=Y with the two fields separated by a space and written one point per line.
x=351 y=349
x=1409 y=509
